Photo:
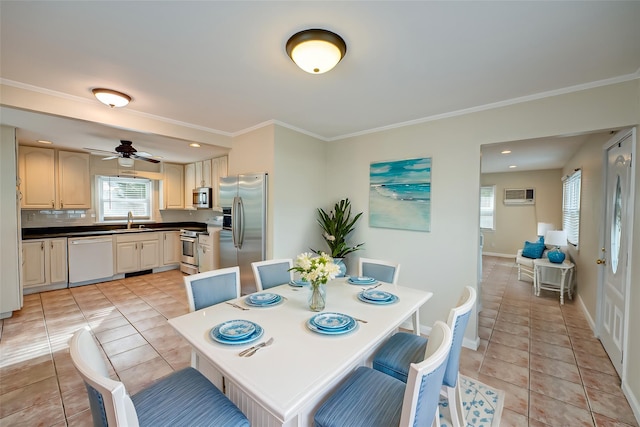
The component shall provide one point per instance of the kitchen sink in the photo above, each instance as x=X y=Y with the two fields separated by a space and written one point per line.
x=134 y=230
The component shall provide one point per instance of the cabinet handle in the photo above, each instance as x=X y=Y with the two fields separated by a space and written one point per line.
x=53 y=205
x=136 y=246
x=141 y=246
x=61 y=204
x=51 y=243
x=42 y=246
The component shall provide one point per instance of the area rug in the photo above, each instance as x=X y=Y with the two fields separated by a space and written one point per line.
x=482 y=404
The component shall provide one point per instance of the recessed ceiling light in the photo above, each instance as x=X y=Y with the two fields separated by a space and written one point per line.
x=512 y=167
x=194 y=145
x=110 y=97
x=505 y=152
x=44 y=141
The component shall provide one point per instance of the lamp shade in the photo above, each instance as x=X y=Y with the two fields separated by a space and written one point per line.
x=543 y=227
x=316 y=51
x=556 y=238
x=125 y=162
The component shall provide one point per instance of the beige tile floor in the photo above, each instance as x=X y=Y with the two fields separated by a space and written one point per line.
x=544 y=356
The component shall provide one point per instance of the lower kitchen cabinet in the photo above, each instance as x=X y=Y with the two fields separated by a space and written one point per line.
x=137 y=252
x=171 y=248
x=44 y=262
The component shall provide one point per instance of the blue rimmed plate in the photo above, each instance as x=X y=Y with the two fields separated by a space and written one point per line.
x=331 y=321
x=216 y=336
x=362 y=280
x=266 y=299
x=347 y=328
x=376 y=295
x=391 y=300
x=298 y=283
x=236 y=329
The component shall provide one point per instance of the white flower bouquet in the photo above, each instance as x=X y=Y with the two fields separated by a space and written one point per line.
x=316 y=269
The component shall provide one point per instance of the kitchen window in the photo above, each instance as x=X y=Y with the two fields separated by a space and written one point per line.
x=488 y=207
x=119 y=196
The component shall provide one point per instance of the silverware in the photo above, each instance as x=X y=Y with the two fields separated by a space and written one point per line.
x=236 y=305
x=360 y=320
x=373 y=287
x=251 y=350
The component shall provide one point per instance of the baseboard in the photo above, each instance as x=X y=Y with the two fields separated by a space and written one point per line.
x=426 y=330
x=592 y=324
x=632 y=399
x=496 y=254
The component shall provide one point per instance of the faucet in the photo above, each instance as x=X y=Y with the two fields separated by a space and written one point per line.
x=129 y=220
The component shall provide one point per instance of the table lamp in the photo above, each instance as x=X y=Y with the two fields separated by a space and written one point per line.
x=556 y=238
x=543 y=227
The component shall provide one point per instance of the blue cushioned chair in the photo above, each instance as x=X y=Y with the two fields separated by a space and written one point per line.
x=369 y=398
x=272 y=273
x=403 y=349
x=212 y=287
x=383 y=271
x=184 y=398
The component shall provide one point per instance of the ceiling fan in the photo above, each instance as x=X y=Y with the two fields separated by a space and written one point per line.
x=126 y=151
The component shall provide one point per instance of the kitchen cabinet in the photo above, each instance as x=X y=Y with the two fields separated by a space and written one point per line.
x=52 y=179
x=189 y=184
x=218 y=170
x=172 y=187
x=137 y=252
x=171 y=248
x=205 y=174
x=44 y=262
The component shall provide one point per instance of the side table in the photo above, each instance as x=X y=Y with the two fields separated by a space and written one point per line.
x=566 y=280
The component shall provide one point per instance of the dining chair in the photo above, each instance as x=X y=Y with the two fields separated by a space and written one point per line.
x=184 y=398
x=383 y=271
x=402 y=349
x=272 y=272
x=212 y=287
x=371 y=398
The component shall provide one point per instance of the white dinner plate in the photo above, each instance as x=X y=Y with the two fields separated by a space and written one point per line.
x=215 y=335
x=236 y=329
x=331 y=321
x=260 y=302
x=393 y=299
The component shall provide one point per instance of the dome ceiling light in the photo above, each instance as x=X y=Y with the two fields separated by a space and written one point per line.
x=316 y=51
x=110 y=97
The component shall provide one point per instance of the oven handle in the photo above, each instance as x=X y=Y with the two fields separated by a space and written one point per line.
x=187 y=239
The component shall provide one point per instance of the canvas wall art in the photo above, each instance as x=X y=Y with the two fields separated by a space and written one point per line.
x=400 y=194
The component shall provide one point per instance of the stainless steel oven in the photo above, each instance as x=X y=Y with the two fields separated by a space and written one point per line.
x=189 y=251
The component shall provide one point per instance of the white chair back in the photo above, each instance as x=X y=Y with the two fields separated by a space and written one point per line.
x=109 y=401
x=212 y=287
x=383 y=271
x=421 y=396
x=272 y=272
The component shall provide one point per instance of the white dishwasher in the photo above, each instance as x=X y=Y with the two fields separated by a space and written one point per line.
x=90 y=260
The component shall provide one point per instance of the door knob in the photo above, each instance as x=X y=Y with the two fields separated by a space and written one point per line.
x=601 y=261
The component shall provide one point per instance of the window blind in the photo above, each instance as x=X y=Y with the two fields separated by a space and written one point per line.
x=487 y=207
x=119 y=196
x=571 y=206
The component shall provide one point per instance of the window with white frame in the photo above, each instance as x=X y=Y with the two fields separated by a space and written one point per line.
x=488 y=207
x=118 y=196
x=571 y=206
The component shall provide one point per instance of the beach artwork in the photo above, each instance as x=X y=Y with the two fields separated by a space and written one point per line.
x=400 y=194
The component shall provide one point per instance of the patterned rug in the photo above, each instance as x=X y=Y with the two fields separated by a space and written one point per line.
x=482 y=404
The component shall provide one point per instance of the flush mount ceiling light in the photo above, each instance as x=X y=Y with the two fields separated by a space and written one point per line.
x=125 y=162
x=316 y=51
x=110 y=97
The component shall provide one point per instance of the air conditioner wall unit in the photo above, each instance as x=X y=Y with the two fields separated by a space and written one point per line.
x=519 y=196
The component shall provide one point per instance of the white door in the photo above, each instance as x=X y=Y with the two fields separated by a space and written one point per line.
x=615 y=250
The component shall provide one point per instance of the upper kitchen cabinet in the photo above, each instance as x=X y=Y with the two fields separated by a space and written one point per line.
x=172 y=187
x=219 y=169
x=48 y=182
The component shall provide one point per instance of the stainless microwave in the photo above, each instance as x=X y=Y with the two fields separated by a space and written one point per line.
x=202 y=197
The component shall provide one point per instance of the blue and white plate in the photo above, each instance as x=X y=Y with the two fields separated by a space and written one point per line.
x=362 y=280
x=236 y=329
x=376 y=295
x=331 y=321
x=391 y=300
x=298 y=283
x=350 y=326
x=216 y=336
x=265 y=299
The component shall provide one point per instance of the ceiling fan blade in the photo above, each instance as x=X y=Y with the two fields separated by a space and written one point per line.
x=146 y=159
x=98 y=151
x=110 y=158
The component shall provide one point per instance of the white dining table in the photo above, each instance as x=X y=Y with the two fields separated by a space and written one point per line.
x=284 y=384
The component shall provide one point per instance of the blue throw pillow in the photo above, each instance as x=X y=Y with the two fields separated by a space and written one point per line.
x=533 y=250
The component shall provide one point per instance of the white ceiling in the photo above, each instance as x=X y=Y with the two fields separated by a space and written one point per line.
x=221 y=66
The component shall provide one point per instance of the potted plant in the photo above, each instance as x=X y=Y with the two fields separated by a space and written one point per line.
x=336 y=226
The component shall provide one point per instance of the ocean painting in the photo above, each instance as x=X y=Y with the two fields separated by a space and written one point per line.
x=400 y=194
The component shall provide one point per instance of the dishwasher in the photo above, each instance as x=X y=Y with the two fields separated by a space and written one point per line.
x=90 y=260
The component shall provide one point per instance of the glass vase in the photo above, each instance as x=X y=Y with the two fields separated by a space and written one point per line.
x=317 y=297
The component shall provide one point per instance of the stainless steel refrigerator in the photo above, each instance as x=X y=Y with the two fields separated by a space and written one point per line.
x=243 y=199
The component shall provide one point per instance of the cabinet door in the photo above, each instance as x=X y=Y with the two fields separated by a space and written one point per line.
x=74 y=181
x=189 y=184
x=37 y=177
x=127 y=258
x=173 y=186
x=206 y=174
x=171 y=248
x=149 y=254
x=218 y=170
x=33 y=264
x=57 y=261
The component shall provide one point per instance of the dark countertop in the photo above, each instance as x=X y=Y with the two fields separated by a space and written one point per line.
x=100 y=230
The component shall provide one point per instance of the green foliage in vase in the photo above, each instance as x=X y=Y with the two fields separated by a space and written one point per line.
x=336 y=226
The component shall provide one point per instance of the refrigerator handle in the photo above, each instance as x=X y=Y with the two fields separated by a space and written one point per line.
x=234 y=221
x=241 y=222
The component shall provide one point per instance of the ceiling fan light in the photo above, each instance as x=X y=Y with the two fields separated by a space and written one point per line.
x=316 y=51
x=125 y=162
x=110 y=97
